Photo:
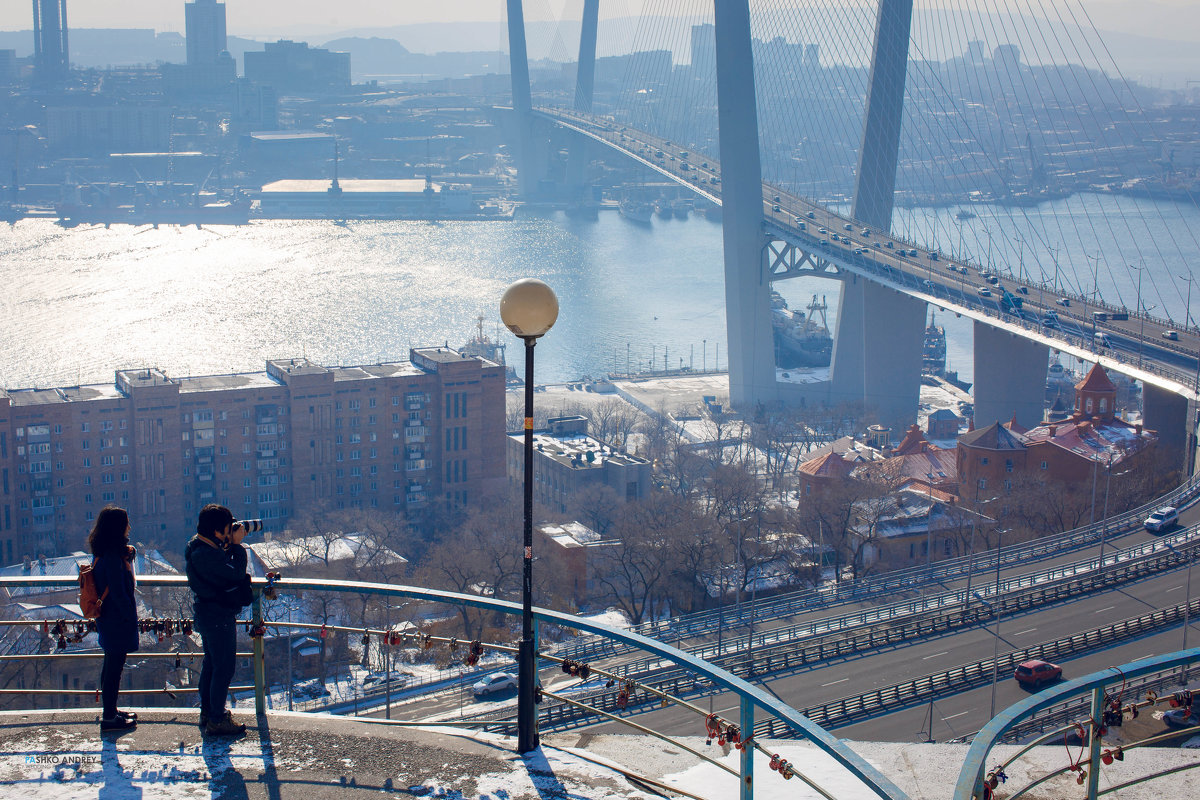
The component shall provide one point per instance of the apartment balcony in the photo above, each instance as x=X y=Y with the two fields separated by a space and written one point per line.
x=416 y=433
x=415 y=465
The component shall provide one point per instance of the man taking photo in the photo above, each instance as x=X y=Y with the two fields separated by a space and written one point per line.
x=216 y=572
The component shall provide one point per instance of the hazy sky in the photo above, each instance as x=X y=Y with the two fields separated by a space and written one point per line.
x=278 y=17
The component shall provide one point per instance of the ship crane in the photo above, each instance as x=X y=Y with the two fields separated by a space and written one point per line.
x=821 y=307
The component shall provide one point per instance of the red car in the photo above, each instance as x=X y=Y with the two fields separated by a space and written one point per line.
x=1036 y=673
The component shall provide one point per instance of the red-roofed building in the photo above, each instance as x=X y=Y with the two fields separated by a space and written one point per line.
x=916 y=459
x=818 y=474
x=1068 y=451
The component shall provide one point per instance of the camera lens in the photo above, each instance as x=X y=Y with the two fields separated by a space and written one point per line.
x=250 y=525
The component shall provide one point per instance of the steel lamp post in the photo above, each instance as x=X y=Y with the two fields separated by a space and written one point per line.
x=528 y=308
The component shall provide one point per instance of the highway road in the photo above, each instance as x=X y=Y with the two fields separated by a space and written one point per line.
x=885 y=667
x=954 y=715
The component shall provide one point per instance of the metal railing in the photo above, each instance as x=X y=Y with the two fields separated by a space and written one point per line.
x=1081 y=577
x=847 y=710
x=751 y=698
x=975 y=783
x=707 y=622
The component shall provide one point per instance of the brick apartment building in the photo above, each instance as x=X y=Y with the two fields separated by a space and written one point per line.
x=389 y=436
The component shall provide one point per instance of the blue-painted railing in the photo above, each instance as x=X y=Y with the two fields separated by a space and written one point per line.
x=751 y=697
x=972 y=778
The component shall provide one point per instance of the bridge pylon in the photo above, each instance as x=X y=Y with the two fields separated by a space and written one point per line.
x=585 y=80
x=747 y=286
x=877 y=350
x=522 y=130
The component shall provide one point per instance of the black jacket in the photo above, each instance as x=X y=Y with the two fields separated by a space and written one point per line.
x=117 y=624
x=217 y=576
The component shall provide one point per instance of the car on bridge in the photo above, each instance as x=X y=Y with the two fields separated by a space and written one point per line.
x=1036 y=673
x=496 y=682
x=1063 y=301
x=1161 y=519
x=985 y=291
x=1172 y=335
x=811 y=215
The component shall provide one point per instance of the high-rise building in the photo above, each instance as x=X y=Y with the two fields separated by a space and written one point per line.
x=51 y=57
x=289 y=66
x=394 y=437
x=704 y=47
x=205 y=27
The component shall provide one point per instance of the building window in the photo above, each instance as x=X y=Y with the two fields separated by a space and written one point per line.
x=1008 y=465
x=984 y=461
x=1045 y=465
x=983 y=483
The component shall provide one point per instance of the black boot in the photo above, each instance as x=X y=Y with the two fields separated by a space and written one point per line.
x=117 y=723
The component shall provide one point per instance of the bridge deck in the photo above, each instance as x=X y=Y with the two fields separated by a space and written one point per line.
x=1083 y=327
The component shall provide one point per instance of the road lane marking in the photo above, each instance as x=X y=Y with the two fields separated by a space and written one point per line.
x=1172 y=589
x=959 y=714
x=1102 y=610
x=831 y=683
x=935 y=655
x=1022 y=633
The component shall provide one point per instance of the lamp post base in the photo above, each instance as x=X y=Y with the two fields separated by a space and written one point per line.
x=527 y=733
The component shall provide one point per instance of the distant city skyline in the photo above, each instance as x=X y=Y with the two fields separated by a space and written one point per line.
x=1168 y=19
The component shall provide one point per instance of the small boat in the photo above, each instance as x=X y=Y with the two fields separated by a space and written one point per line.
x=636 y=211
x=964 y=214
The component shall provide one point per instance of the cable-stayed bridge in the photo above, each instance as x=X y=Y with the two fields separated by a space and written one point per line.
x=779 y=225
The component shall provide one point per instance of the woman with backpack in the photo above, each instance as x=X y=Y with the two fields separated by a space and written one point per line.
x=117 y=623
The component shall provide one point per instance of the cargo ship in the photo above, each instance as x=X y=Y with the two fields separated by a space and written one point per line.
x=800 y=340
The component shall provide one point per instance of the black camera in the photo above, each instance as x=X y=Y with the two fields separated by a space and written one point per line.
x=249 y=525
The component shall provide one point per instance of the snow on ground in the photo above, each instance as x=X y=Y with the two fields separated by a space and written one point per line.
x=612 y=617
x=97 y=768
x=800 y=376
x=920 y=770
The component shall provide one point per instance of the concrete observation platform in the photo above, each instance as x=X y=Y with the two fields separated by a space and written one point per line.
x=61 y=755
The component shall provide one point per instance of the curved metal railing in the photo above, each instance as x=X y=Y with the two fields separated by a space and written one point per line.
x=975 y=782
x=751 y=698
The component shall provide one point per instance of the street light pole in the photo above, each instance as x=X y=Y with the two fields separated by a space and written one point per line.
x=1141 y=317
x=996 y=633
x=1187 y=310
x=529 y=308
x=1187 y=601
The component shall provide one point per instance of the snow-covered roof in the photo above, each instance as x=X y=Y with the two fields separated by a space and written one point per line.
x=278 y=555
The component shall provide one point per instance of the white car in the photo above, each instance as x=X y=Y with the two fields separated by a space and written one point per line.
x=1162 y=518
x=496 y=682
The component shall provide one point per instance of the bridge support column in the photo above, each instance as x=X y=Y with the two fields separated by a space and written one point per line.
x=1166 y=413
x=747 y=289
x=585 y=79
x=1010 y=377
x=522 y=131
x=877 y=354
x=880 y=333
